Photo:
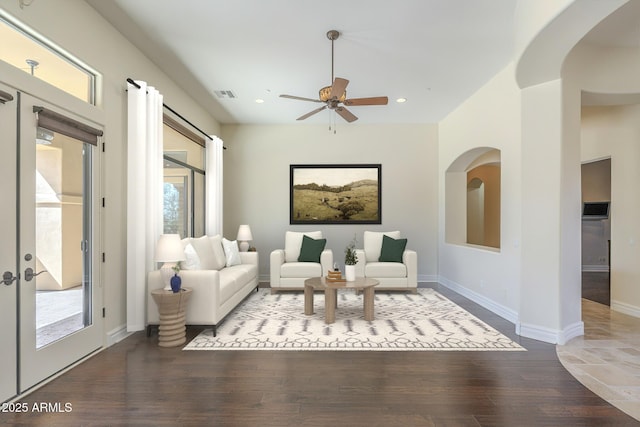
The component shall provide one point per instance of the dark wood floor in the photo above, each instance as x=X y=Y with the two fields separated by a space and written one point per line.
x=137 y=383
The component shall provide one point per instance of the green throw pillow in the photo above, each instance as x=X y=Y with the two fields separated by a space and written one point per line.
x=392 y=249
x=311 y=249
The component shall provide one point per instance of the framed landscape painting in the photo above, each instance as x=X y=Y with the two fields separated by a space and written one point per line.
x=335 y=194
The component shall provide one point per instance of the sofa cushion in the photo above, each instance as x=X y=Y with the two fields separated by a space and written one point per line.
x=385 y=269
x=192 y=260
x=232 y=279
x=231 y=252
x=392 y=249
x=373 y=243
x=301 y=269
x=210 y=252
x=218 y=251
x=311 y=249
x=293 y=243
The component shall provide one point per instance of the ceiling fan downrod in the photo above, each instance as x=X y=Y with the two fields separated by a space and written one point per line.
x=332 y=35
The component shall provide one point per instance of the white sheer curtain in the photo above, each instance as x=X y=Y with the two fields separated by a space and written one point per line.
x=213 y=185
x=144 y=195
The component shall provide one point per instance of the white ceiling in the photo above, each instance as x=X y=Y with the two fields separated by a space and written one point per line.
x=435 y=53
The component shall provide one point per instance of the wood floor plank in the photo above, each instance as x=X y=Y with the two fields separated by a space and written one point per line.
x=135 y=382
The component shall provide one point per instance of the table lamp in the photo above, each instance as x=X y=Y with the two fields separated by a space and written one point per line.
x=169 y=251
x=244 y=236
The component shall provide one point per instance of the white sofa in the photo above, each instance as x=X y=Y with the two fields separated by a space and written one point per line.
x=217 y=288
x=391 y=275
x=287 y=273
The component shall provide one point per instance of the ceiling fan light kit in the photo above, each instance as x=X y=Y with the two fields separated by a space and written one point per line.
x=335 y=96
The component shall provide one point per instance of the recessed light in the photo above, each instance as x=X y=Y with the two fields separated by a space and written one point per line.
x=259 y=101
x=401 y=100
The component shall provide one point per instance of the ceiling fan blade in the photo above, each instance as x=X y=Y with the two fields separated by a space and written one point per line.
x=346 y=114
x=338 y=88
x=299 y=98
x=311 y=113
x=378 y=100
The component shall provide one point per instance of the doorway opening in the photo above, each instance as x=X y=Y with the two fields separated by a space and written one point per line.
x=596 y=231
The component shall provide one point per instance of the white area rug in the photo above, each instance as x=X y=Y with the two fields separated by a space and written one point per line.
x=414 y=322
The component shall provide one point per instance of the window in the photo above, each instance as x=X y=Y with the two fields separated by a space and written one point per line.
x=183 y=182
x=32 y=54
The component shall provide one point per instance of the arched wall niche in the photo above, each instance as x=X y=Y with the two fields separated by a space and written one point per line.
x=472 y=198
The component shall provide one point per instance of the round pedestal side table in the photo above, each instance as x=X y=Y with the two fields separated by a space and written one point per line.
x=171 y=307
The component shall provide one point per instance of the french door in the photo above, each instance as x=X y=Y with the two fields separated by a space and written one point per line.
x=50 y=243
x=8 y=248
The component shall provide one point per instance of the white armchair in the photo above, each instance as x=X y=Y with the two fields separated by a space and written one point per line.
x=401 y=274
x=288 y=272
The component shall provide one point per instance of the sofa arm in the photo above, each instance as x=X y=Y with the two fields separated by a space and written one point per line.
x=361 y=262
x=410 y=259
x=326 y=261
x=275 y=262
x=249 y=258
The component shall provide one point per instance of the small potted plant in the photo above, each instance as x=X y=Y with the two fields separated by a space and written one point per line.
x=350 y=261
x=176 y=281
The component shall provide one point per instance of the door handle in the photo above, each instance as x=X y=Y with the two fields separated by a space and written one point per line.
x=29 y=274
x=8 y=278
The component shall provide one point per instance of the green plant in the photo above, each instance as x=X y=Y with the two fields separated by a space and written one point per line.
x=176 y=267
x=350 y=257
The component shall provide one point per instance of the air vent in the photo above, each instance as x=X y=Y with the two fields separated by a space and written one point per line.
x=225 y=94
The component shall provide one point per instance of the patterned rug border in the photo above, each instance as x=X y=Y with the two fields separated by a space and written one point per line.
x=238 y=319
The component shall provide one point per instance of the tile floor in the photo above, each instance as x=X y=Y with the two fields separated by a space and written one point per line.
x=607 y=358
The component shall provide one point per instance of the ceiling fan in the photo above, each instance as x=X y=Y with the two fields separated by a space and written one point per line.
x=335 y=96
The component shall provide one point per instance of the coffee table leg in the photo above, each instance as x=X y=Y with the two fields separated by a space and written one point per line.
x=330 y=297
x=368 y=303
x=308 y=300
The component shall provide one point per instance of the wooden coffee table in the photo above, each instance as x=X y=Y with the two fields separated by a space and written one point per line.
x=331 y=297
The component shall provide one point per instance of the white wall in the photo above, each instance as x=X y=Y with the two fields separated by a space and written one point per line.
x=490 y=118
x=614 y=132
x=256 y=182
x=80 y=30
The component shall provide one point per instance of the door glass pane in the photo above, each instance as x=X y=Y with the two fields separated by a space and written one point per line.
x=176 y=201
x=184 y=192
x=63 y=289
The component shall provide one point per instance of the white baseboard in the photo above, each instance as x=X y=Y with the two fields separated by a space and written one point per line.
x=624 y=308
x=431 y=278
x=552 y=336
x=595 y=268
x=489 y=304
x=116 y=335
x=536 y=332
x=570 y=332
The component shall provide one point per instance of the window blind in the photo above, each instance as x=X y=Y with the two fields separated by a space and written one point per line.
x=66 y=126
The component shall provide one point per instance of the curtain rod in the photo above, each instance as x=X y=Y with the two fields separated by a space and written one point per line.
x=131 y=81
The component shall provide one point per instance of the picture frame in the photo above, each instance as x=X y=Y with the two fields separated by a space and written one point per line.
x=335 y=194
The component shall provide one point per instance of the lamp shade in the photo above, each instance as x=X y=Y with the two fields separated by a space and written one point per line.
x=244 y=233
x=169 y=248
